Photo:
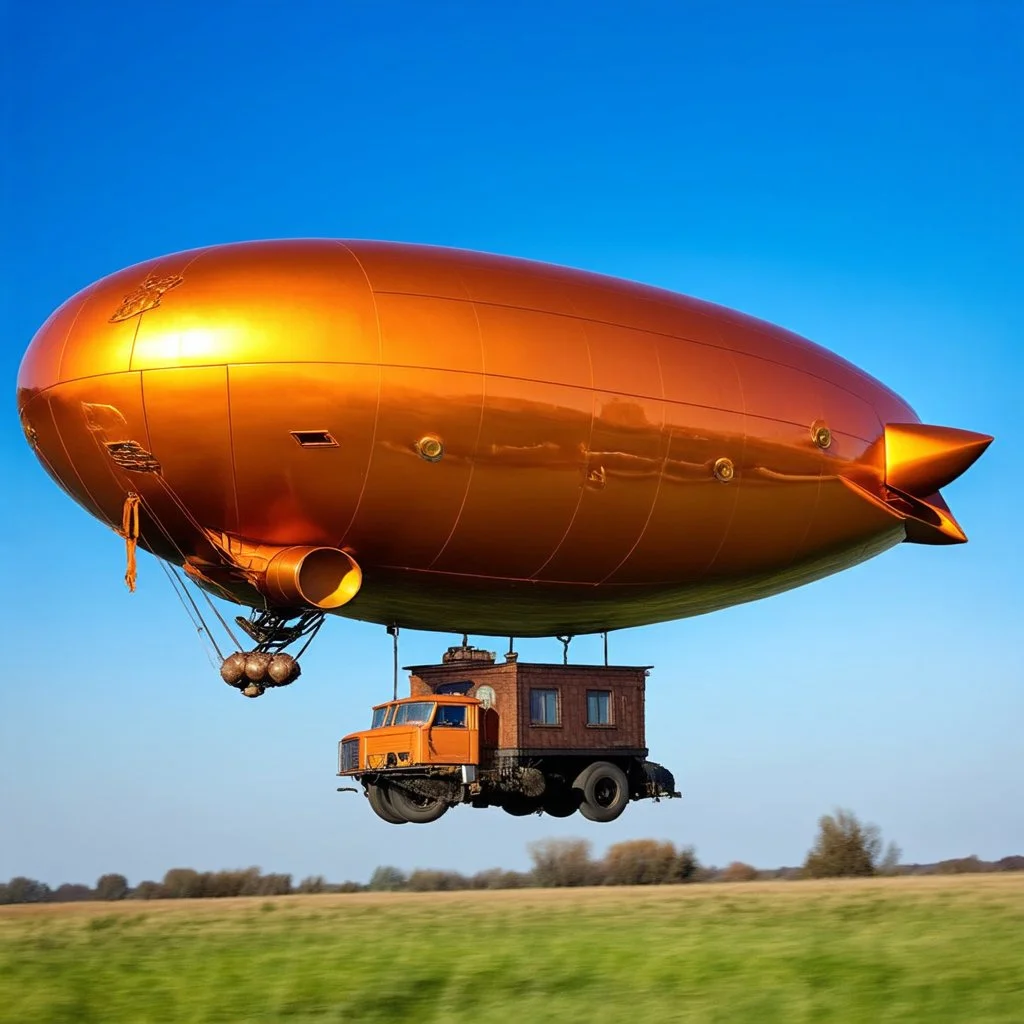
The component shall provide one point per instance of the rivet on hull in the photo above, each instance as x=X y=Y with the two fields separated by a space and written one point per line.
x=430 y=448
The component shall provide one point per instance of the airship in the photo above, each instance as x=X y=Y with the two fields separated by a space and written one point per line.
x=445 y=440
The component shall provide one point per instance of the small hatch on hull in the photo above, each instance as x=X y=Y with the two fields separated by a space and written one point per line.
x=314 y=438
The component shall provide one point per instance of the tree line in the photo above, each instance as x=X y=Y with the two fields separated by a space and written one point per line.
x=843 y=847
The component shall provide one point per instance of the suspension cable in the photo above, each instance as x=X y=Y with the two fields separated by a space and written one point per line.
x=313 y=633
x=216 y=612
x=201 y=627
x=167 y=533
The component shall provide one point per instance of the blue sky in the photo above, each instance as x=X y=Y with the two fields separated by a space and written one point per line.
x=849 y=171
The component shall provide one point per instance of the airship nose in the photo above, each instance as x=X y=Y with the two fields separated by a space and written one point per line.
x=40 y=366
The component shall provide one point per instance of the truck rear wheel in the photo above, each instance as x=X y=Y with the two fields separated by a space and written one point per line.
x=519 y=806
x=605 y=790
x=381 y=806
x=561 y=802
x=414 y=807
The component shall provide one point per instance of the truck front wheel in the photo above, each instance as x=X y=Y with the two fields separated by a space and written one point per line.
x=414 y=807
x=381 y=807
x=605 y=790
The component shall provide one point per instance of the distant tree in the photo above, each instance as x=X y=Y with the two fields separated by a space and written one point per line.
x=962 y=866
x=276 y=885
x=25 y=890
x=737 y=871
x=687 y=866
x=72 y=892
x=182 y=883
x=563 y=862
x=424 y=880
x=313 y=884
x=249 y=881
x=642 y=862
x=387 y=879
x=111 y=887
x=1012 y=863
x=513 y=880
x=844 y=847
x=498 y=878
x=351 y=887
x=890 y=862
x=148 y=890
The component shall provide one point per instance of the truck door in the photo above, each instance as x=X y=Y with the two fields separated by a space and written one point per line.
x=451 y=739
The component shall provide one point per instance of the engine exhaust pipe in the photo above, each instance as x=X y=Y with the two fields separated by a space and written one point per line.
x=324 y=578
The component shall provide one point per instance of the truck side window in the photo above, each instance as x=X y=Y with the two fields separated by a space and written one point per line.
x=451 y=716
x=544 y=707
x=599 y=707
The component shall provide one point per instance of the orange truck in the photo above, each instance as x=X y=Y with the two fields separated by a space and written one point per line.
x=524 y=737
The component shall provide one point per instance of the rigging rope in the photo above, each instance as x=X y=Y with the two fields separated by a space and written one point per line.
x=175 y=578
x=216 y=612
x=309 y=622
x=200 y=625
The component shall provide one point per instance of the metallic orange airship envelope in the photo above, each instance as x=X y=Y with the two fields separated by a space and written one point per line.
x=445 y=440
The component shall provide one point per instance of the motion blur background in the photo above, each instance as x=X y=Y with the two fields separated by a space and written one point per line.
x=848 y=171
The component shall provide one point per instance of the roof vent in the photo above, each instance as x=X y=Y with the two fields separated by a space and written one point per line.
x=314 y=438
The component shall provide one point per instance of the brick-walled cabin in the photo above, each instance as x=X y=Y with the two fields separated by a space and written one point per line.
x=546 y=709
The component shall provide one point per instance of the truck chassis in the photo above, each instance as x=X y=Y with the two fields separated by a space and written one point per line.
x=600 y=789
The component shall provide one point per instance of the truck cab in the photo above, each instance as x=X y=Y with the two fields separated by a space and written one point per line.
x=415 y=732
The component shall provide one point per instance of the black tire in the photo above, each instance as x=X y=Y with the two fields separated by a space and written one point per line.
x=560 y=802
x=420 y=810
x=605 y=790
x=519 y=806
x=382 y=806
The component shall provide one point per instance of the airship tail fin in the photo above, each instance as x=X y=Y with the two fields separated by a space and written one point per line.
x=927 y=520
x=920 y=458
x=914 y=460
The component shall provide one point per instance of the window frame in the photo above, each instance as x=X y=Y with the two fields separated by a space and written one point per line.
x=557 y=723
x=399 y=708
x=437 y=724
x=610 y=724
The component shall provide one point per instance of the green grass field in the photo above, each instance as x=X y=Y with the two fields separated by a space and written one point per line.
x=920 y=949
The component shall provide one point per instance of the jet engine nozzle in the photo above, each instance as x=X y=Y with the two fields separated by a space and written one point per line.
x=325 y=578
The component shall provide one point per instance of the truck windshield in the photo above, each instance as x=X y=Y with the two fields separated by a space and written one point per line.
x=380 y=716
x=414 y=714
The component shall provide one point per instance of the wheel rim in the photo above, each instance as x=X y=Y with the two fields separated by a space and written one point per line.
x=606 y=791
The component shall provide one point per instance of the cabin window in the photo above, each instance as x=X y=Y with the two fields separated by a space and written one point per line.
x=414 y=714
x=460 y=688
x=544 y=707
x=599 y=707
x=383 y=716
x=451 y=716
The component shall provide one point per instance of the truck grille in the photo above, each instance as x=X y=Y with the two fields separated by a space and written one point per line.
x=349 y=755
